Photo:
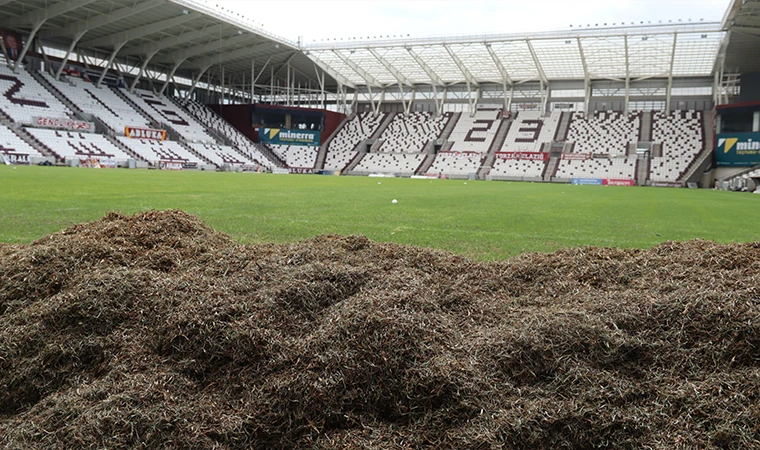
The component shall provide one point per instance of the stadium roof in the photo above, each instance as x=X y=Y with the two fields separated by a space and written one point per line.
x=742 y=22
x=191 y=36
x=618 y=53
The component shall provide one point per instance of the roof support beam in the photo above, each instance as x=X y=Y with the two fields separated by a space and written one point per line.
x=28 y=44
x=342 y=81
x=108 y=65
x=119 y=39
x=434 y=78
x=195 y=81
x=142 y=69
x=627 y=74
x=402 y=79
x=171 y=75
x=504 y=74
x=670 y=72
x=462 y=68
x=540 y=69
x=371 y=81
x=101 y=20
x=215 y=45
x=221 y=57
x=68 y=53
x=41 y=15
x=586 y=79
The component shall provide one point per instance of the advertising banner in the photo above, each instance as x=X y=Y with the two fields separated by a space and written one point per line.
x=533 y=156
x=15 y=158
x=463 y=154
x=738 y=149
x=280 y=136
x=97 y=163
x=64 y=124
x=618 y=182
x=301 y=170
x=170 y=165
x=587 y=181
x=145 y=133
x=576 y=156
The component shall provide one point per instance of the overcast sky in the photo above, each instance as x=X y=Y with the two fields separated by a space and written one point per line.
x=316 y=20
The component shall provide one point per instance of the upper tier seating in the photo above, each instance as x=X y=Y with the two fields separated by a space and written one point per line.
x=164 y=111
x=22 y=98
x=518 y=168
x=609 y=168
x=103 y=103
x=410 y=134
x=300 y=156
x=530 y=130
x=354 y=131
x=406 y=163
x=454 y=163
x=608 y=132
x=154 y=151
x=475 y=134
x=71 y=144
x=681 y=134
x=11 y=144
x=221 y=154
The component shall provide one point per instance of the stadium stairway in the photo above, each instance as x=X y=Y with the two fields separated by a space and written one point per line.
x=425 y=164
x=563 y=127
x=137 y=108
x=694 y=170
x=642 y=170
x=354 y=162
x=645 y=131
x=498 y=142
x=383 y=126
x=453 y=120
x=322 y=155
x=550 y=170
x=192 y=151
x=266 y=151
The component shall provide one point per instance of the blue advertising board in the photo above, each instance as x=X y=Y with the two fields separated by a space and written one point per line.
x=592 y=181
x=281 y=136
x=738 y=149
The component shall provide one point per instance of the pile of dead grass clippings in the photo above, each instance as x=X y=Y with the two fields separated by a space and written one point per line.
x=155 y=331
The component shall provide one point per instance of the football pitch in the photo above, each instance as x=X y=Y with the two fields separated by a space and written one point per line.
x=480 y=219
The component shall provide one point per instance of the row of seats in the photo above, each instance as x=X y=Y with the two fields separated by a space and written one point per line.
x=69 y=144
x=530 y=130
x=452 y=163
x=681 y=134
x=406 y=163
x=11 y=144
x=221 y=154
x=163 y=110
x=410 y=134
x=356 y=130
x=614 y=168
x=608 y=132
x=300 y=156
x=518 y=168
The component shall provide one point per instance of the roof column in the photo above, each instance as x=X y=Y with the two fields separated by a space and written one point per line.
x=110 y=62
x=65 y=61
x=670 y=73
x=142 y=70
x=171 y=75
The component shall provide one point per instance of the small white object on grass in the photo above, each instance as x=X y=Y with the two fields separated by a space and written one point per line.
x=379 y=182
x=465 y=182
x=394 y=201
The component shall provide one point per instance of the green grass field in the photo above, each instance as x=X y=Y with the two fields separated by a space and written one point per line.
x=484 y=220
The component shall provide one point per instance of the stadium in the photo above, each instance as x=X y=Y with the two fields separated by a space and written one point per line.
x=398 y=242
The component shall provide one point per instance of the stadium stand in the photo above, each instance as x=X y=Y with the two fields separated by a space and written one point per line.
x=221 y=154
x=681 y=136
x=23 y=98
x=398 y=163
x=165 y=112
x=100 y=102
x=454 y=164
x=517 y=168
x=69 y=144
x=155 y=151
x=609 y=132
x=354 y=131
x=410 y=134
x=475 y=134
x=14 y=148
x=601 y=168
x=530 y=130
x=297 y=156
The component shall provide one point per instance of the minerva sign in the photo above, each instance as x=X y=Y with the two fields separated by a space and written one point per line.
x=277 y=136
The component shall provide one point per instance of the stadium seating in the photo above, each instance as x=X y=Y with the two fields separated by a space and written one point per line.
x=410 y=134
x=681 y=135
x=300 y=156
x=154 y=151
x=11 y=144
x=338 y=159
x=221 y=154
x=354 y=131
x=608 y=132
x=530 y=130
x=475 y=134
x=456 y=164
x=165 y=111
x=70 y=144
x=401 y=163
x=609 y=168
x=102 y=103
x=22 y=98
x=517 y=168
